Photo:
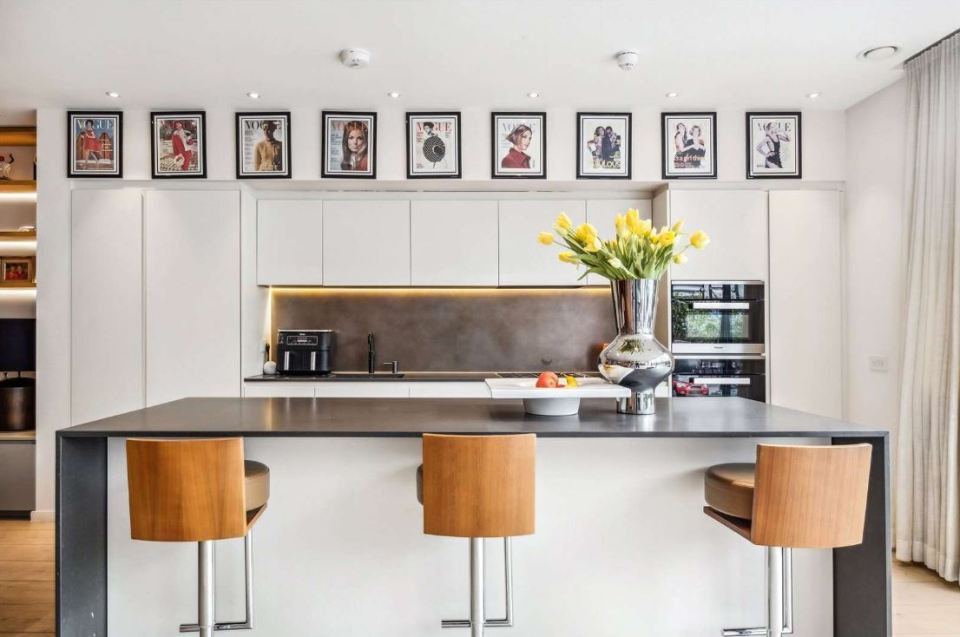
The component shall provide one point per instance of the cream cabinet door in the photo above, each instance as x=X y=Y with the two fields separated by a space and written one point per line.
x=524 y=261
x=366 y=243
x=289 y=242
x=453 y=243
x=106 y=301
x=601 y=213
x=278 y=389
x=806 y=302
x=736 y=221
x=192 y=274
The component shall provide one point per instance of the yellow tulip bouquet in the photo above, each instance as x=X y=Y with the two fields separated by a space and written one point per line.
x=638 y=251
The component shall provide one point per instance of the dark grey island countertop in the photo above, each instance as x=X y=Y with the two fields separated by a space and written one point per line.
x=700 y=417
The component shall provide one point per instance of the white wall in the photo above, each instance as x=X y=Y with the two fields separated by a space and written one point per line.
x=823 y=144
x=876 y=129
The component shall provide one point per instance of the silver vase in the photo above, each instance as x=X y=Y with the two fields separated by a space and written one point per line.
x=635 y=359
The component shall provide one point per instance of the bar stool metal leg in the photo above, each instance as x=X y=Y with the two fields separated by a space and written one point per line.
x=477 y=596
x=779 y=584
x=206 y=589
x=247 y=622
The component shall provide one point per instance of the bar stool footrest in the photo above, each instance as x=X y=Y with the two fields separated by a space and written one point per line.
x=465 y=623
x=195 y=628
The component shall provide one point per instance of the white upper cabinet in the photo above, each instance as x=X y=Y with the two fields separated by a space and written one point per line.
x=736 y=221
x=453 y=243
x=289 y=242
x=106 y=304
x=601 y=213
x=806 y=301
x=192 y=274
x=524 y=261
x=366 y=243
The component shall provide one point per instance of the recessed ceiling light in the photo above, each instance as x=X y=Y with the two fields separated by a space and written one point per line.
x=253 y=95
x=672 y=94
x=813 y=96
x=113 y=94
x=394 y=94
x=879 y=52
x=533 y=95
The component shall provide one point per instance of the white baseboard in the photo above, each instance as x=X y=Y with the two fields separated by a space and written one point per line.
x=43 y=516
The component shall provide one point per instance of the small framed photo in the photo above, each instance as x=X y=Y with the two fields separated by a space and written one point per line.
x=773 y=146
x=263 y=145
x=688 y=145
x=349 y=145
x=95 y=144
x=603 y=145
x=17 y=272
x=433 y=145
x=519 y=145
x=178 y=144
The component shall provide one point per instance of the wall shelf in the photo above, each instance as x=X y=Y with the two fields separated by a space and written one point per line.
x=18 y=235
x=18 y=136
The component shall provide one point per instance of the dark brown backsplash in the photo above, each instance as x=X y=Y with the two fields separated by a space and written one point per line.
x=455 y=330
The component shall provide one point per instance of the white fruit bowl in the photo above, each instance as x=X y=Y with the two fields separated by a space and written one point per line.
x=552 y=401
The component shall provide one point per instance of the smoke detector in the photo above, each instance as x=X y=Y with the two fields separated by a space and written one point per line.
x=355 y=58
x=628 y=60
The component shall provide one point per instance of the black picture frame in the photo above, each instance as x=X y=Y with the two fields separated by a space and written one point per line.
x=117 y=144
x=629 y=145
x=372 y=159
x=494 y=155
x=202 y=144
x=664 y=136
x=798 y=174
x=411 y=116
x=288 y=146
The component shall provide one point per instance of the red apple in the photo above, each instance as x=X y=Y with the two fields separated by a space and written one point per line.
x=548 y=379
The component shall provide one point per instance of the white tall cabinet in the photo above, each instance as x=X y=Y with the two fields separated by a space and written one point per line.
x=805 y=296
x=736 y=221
x=192 y=294
x=106 y=304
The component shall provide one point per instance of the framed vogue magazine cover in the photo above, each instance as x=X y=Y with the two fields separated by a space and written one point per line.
x=263 y=145
x=433 y=145
x=519 y=145
x=349 y=145
x=774 y=146
x=178 y=144
x=94 y=144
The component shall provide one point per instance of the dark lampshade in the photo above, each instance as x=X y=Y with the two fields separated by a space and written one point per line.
x=18 y=345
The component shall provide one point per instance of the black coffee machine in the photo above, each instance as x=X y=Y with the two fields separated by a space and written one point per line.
x=18 y=403
x=305 y=351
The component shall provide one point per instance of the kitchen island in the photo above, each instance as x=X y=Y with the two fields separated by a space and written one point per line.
x=621 y=545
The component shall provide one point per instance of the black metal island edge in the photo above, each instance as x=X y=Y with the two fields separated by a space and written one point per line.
x=861 y=574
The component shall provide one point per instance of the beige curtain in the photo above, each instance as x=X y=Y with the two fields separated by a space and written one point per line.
x=928 y=473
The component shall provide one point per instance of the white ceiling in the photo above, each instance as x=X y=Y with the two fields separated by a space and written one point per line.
x=456 y=53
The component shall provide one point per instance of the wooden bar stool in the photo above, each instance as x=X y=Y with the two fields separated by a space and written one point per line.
x=479 y=487
x=198 y=491
x=793 y=497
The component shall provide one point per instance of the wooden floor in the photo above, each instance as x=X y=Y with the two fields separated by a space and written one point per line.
x=26 y=579
x=923 y=604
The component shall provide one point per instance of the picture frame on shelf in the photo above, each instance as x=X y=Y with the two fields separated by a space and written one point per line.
x=519 y=145
x=349 y=144
x=18 y=271
x=178 y=144
x=433 y=145
x=604 y=145
x=688 y=145
x=774 y=145
x=263 y=145
x=95 y=144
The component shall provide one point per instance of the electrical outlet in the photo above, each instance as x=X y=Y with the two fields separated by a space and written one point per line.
x=879 y=364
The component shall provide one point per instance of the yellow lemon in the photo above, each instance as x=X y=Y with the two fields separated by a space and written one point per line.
x=546 y=238
x=571 y=381
x=699 y=239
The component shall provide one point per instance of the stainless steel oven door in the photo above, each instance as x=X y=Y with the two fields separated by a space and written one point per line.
x=717 y=317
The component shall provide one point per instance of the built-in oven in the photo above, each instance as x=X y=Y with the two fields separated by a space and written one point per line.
x=717 y=317
x=709 y=375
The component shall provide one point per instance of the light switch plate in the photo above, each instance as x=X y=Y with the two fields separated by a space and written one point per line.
x=879 y=364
